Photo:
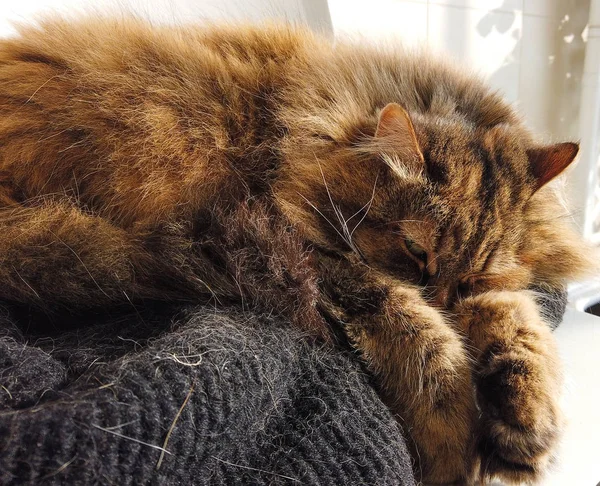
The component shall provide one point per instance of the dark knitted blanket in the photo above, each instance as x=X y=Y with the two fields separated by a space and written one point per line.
x=205 y=398
x=195 y=397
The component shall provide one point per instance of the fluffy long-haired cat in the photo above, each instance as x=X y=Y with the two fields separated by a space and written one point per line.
x=376 y=192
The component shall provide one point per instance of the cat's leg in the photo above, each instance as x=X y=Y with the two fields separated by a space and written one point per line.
x=55 y=256
x=419 y=362
x=518 y=383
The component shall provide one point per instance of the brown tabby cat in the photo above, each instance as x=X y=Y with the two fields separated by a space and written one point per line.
x=380 y=191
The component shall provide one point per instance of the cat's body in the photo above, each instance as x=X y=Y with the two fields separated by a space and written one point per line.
x=266 y=167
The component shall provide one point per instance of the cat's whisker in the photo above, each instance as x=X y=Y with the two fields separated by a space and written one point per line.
x=357 y=212
x=347 y=235
x=336 y=210
x=370 y=203
x=134 y=308
x=322 y=215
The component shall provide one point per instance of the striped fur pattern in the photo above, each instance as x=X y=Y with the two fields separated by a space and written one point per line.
x=376 y=191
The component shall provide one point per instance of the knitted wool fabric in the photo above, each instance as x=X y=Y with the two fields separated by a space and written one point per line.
x=208 y=398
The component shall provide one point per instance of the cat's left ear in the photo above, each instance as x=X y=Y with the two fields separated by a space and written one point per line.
x=549 y=161
x=395 y=126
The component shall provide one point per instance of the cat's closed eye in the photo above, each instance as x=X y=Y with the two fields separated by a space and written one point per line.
x=419 y=255
x=416 y=250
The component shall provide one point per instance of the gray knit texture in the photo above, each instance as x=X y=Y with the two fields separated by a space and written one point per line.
x=231 y=397
x=225 y=397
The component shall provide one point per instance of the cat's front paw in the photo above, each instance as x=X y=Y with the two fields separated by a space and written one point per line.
x=520 y=420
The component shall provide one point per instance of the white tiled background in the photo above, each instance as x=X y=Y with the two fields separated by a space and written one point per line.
x=531 y=50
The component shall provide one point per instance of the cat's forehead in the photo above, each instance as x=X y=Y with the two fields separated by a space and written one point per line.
x=478 y=186
x=486 y=168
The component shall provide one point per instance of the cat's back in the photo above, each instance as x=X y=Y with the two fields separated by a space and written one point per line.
x=139 y=112
x=136 y=120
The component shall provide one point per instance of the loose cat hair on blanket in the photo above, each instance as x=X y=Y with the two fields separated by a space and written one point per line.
x=343 y=186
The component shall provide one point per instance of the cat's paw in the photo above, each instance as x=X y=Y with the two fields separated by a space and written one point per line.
x=520 y=420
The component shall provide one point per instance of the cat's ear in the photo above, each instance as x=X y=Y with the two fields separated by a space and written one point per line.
x=395 y=127
x=549 y=161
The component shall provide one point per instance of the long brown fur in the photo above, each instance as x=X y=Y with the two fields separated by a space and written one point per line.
x=376 y=190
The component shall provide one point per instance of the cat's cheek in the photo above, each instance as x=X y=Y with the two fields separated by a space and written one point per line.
x=395 y=264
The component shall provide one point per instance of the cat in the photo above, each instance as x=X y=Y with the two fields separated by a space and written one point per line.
x=345 y=187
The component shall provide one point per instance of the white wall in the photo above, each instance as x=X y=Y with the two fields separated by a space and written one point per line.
x=311 y=12
x=531 y=50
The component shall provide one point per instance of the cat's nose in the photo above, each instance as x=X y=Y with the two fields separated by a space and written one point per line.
x=445 y=295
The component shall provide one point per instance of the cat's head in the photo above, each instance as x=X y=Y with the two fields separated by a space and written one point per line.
x=456 y=208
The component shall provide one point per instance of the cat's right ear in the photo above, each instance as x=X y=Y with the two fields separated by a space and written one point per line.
x=395 y=131
x=549 y=161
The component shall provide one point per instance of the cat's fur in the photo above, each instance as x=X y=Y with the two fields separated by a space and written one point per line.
x=266 y=166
